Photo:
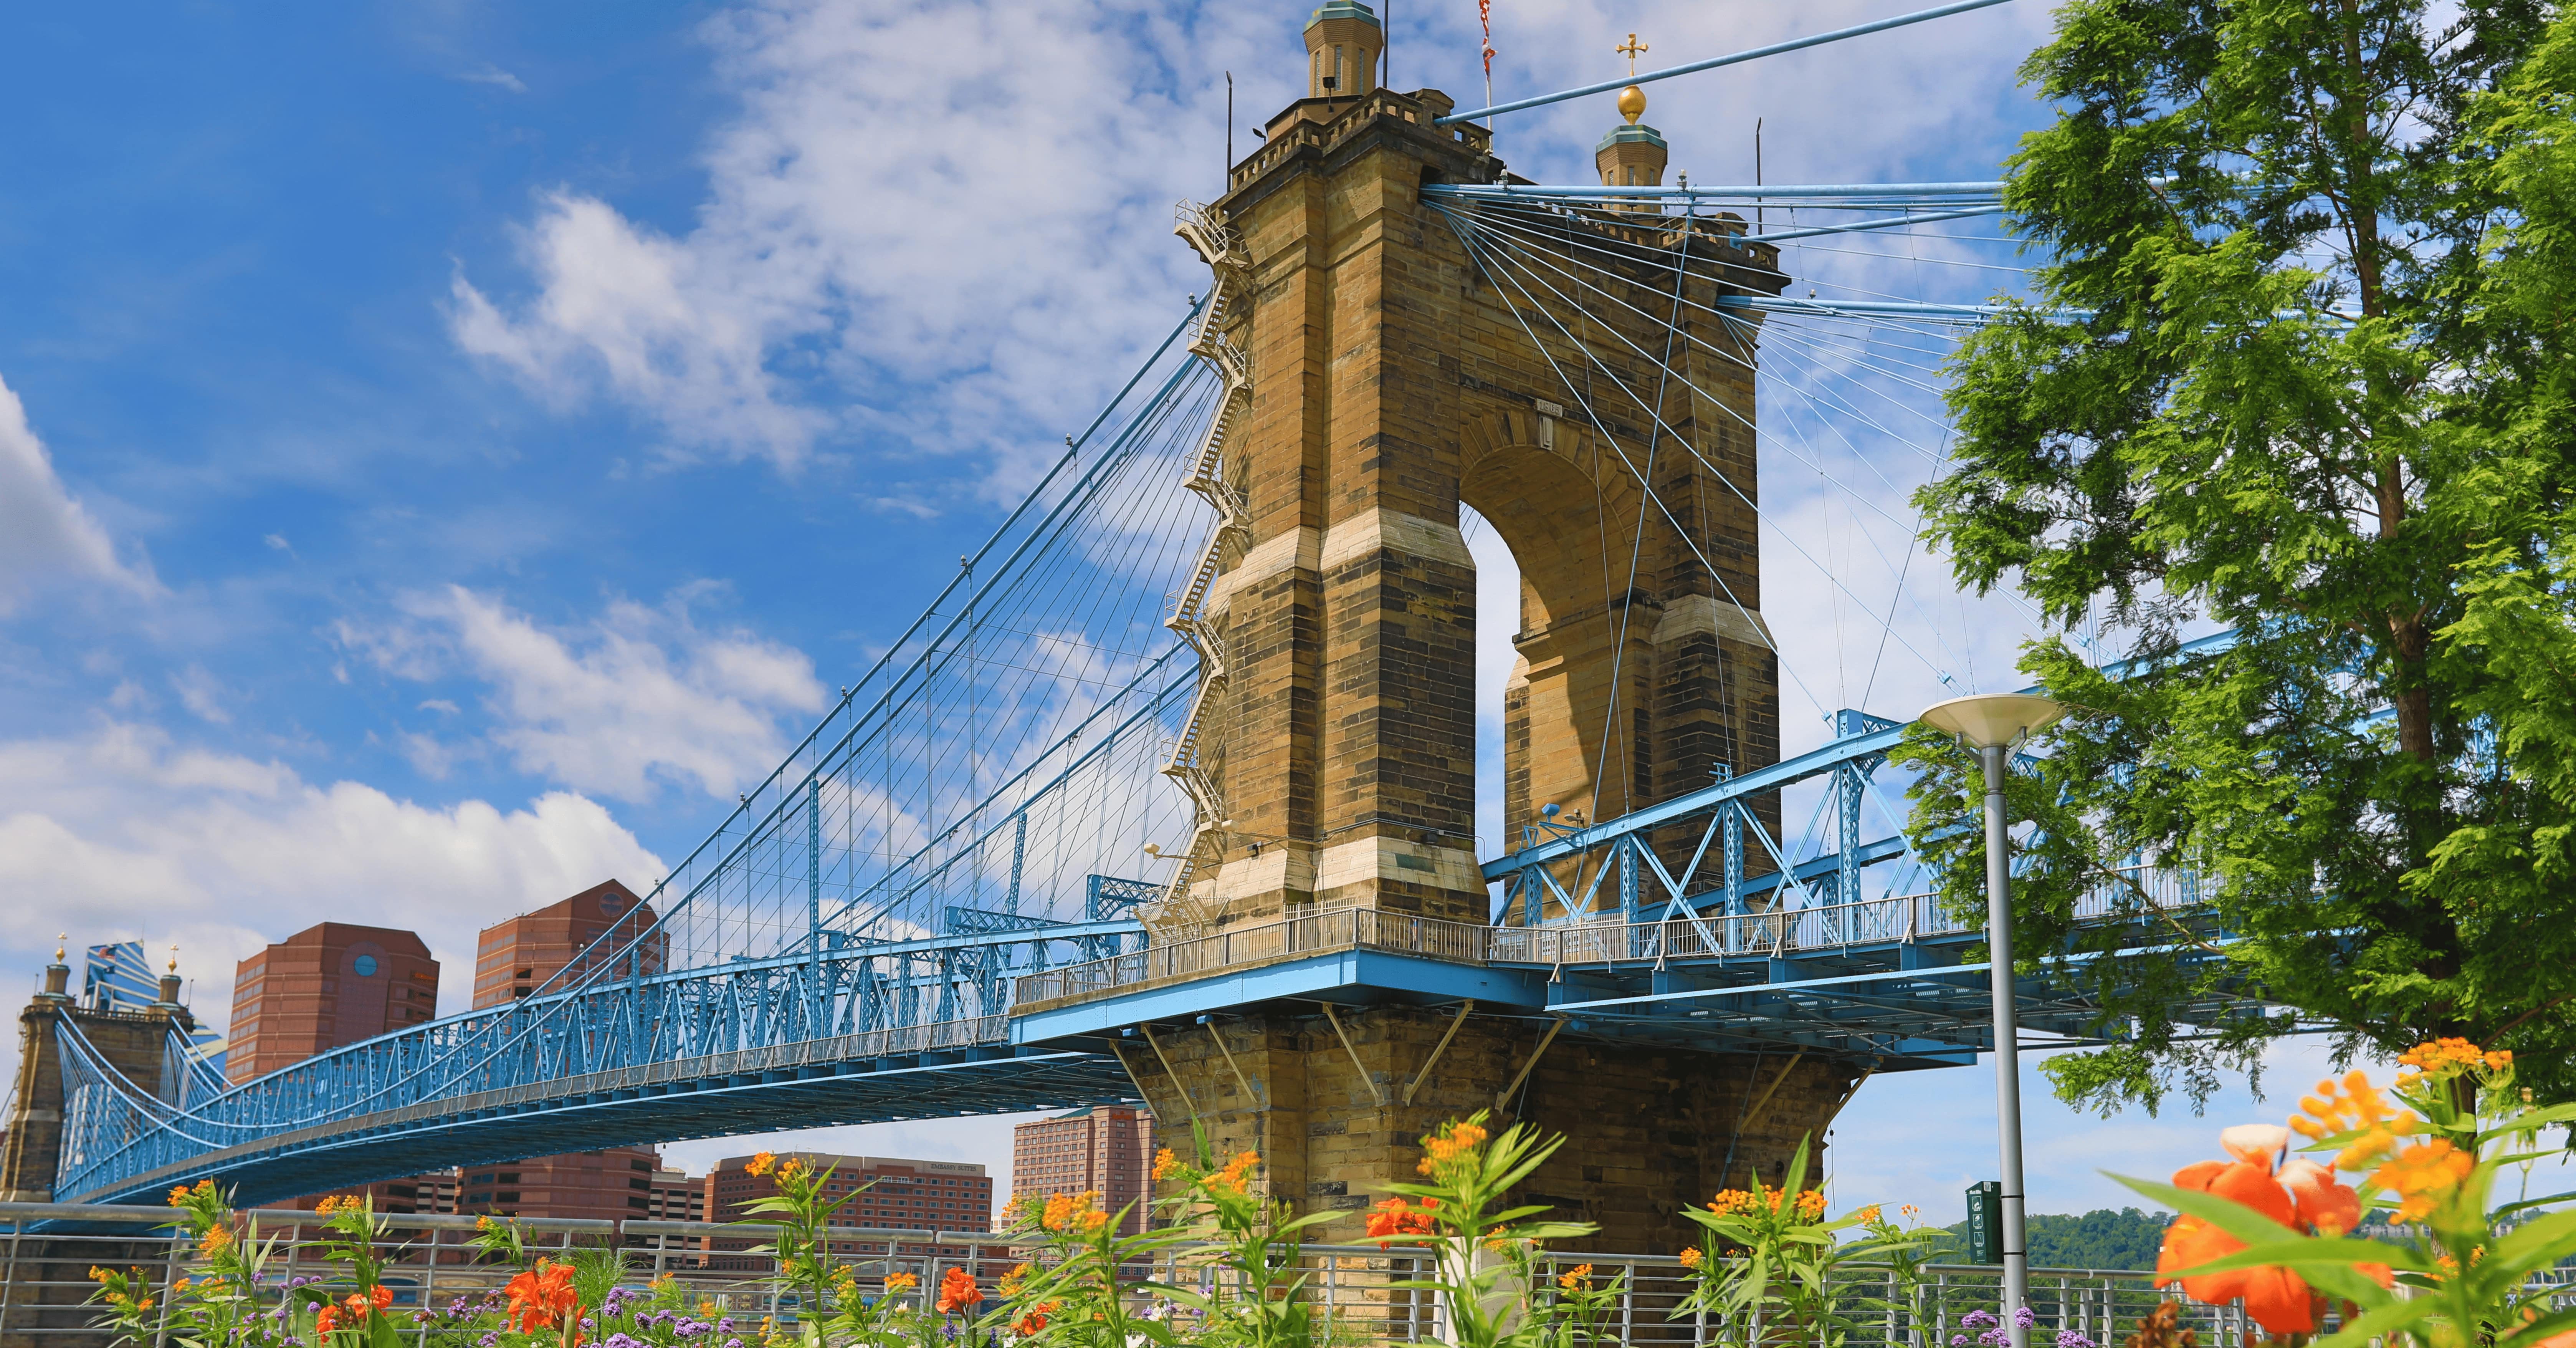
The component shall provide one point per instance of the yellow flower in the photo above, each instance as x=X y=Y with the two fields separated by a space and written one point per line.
x=2423 y=1174
x=900 y=1282
x=790 y=1169
x=1576 y=1279
x=1869 y=1215
x=2353 y=1108
x=761 y=1164
x=1690 y=1257
x=1165 y=1163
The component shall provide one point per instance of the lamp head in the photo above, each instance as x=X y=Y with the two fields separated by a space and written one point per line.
x=1992 y=720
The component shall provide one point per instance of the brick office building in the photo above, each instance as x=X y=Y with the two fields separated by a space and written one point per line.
x=323 y=987
x=516 y=958
x=948 y=1198
x=608 y=1185
x=1106 y=1149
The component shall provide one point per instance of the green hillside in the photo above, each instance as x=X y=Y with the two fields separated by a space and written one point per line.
x=2101 y=1238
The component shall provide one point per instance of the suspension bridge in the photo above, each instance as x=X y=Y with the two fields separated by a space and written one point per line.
x=1169 y=794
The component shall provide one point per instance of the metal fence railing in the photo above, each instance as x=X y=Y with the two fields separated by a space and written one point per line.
x=44 y=1279
x=1777 y=931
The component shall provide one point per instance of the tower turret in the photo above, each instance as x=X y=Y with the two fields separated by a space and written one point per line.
x=1343 y=40
x=1631 y=155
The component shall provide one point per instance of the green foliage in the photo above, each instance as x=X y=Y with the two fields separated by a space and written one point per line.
x=2101 y=1238
x=2299 y=363
x=1769 y=1269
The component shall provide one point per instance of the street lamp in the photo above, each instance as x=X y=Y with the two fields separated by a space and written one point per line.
x=1992 y=724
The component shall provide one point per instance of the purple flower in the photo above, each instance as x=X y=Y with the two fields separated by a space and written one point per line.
x=622 y=1341
x=1958 y=1341
x=733 y=1343
x=724 y=1324
x=1978 y=1320
x=2024 y=1317
x=2068 y=1338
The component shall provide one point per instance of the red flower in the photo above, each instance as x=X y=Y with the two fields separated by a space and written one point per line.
x=1034 y=1321
x=1395 y=1218
x=958 y=1292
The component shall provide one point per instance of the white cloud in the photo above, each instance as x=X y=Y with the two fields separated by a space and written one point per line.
x=967 y=236
x=198 y=692
x=46 y=537
x=125 y=833
x=638 y=698
x=496 y=77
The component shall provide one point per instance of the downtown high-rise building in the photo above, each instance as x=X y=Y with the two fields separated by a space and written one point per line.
x=324 y=987
x=1106 y=1149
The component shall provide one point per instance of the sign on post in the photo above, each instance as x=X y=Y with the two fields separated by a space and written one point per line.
x=1986 y=1222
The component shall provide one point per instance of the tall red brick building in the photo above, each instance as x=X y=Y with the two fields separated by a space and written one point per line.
x=1107 y=1149
x=515 y=958
x=324 y=987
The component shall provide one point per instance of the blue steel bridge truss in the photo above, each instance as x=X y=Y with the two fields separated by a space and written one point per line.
x=925 y=911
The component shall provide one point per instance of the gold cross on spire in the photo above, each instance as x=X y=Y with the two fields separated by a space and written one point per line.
x=1632 y=51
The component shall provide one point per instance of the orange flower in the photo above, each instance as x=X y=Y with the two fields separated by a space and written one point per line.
x=330 y=1203
x=1690 y=1256
x=1454 y=1140
x=900 y=1282
x=1395 y=1218
x=216 y=1239
x=1242 y=1164
x=790 y=1168
x=2444 y=1055
x=179 y=1196
x=1868 y=1215
x=382 y=1296
x=2278 y=1299
x=1034 y=1320
x=542 y=1296
x=1576 y=1279
x=2424 y=1174
x=327 y=1321
x=761 y=1163
x=2358 y=1110
x=958 y=1292
x=1165 y=1163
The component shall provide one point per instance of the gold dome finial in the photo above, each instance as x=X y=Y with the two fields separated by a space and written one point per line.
x=1632 y=100
x=62 y=943
x=174 y=957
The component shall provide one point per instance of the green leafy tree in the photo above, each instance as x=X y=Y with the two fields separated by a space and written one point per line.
x=2297 y=362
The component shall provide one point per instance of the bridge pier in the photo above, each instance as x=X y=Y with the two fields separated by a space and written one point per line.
x=1337 y=1107
x=1395 y=375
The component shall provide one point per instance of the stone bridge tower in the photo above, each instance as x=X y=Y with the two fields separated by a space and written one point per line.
x=136 y=1043
x=1393 y=381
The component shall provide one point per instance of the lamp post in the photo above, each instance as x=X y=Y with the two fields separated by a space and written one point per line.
x=1991 y=724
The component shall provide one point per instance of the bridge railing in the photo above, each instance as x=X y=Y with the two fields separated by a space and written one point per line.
x=1776 y=933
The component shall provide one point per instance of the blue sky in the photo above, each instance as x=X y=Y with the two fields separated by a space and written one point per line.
x=449 y=448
